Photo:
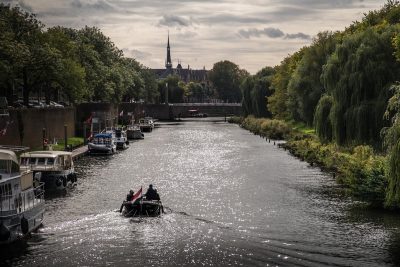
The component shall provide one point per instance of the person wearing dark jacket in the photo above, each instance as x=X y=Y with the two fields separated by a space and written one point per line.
x=151 y=194
x=130 y=195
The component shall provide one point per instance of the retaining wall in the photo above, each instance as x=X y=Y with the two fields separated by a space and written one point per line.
x=24 y=126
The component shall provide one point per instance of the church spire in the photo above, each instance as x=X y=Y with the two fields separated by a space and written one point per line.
x=168 y=62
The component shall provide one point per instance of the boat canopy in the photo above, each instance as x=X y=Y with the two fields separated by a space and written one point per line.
x=103 y=135
x=8 y=155
x=45 y=154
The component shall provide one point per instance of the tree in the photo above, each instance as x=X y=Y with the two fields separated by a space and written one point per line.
x=256 y=89
x=175 y=88
x=226 y=77
x=358 y=76
x=322 y=120
x=279 y=99
x=305 y=87
x=21 y=55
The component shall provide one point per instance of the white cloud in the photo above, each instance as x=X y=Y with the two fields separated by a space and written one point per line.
x=252 y=33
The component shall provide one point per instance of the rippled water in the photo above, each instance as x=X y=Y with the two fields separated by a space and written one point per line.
x=232 y=199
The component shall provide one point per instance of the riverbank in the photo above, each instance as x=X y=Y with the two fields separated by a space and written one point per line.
x=361 y=171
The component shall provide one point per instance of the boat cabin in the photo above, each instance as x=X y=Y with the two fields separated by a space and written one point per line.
x=47 y=161
x=14 y=186
x=103 y=139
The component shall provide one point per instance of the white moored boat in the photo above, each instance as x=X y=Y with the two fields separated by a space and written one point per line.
x=121 y=138
x=102 y=143
x=21 y=200
x=56 y=168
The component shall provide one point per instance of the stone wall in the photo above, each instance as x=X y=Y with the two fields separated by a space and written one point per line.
x=24 y=126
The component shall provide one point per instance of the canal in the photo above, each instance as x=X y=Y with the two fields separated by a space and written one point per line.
x=231 y=198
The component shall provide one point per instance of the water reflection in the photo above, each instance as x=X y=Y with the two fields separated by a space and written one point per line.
x=230 y=199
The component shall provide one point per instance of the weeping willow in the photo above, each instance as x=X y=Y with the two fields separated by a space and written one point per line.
x=392 y=143
x=322 y=121
x=247 y=87
x=358 y=76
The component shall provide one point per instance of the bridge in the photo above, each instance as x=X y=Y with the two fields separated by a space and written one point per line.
x=171 y=111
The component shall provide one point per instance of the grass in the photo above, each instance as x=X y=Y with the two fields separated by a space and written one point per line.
x=73 y=141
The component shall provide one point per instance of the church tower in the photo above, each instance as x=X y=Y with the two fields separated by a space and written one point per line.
x=168 y=62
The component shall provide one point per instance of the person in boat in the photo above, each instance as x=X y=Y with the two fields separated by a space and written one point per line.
x=130 y=195
x=152 y=194
x=157 y=196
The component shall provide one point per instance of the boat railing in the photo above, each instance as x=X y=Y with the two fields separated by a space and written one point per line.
x=26 y=200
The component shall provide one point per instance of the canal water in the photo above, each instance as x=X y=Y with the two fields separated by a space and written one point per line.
x=231 y=198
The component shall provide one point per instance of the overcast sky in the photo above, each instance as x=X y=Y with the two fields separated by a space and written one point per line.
x=251 y=33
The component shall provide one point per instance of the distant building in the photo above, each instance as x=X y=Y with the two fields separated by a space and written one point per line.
x=187 y=75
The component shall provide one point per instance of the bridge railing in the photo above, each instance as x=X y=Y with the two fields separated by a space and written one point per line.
x=206 y=104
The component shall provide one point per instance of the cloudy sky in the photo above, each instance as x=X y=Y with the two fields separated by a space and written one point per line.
x=251 y=33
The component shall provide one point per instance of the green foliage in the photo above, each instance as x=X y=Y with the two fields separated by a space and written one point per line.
x=236 y=120
x=176 y=89
x=273 y=129
x=80 y=65
x=322 y=120
x=360 y=171
x=73 y=141
x=392 y=143
x=305 y=87
x=278 y=101
x=358 y=76
x=255 y=90
x=226 y=77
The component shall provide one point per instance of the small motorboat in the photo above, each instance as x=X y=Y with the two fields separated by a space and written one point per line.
x=134 y=132
x=121 y=139
x=142 y=207
x=146 y=124
x=103 y=143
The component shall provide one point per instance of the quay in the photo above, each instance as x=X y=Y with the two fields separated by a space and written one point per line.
x=79 y=152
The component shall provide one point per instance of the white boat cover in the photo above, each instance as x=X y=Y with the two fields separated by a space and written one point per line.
x=8 y=155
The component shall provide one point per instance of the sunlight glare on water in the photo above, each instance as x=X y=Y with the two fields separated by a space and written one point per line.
x=231 y=198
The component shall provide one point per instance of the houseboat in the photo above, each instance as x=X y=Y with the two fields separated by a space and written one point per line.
x=54 y=168
x=103 y=143
x=146 y=124
x=21 y=200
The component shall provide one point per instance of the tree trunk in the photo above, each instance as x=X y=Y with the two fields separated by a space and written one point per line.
x=26 y=89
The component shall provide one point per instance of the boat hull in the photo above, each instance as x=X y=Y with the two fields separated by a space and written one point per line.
x=100 y=149
x=27 y=218
x=145 y=128
x=135 y=134
x=148 y=208
x=58 y=180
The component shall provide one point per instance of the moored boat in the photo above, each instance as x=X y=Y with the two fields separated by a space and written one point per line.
x=56 y=168
x=21 y=200
x=134 y=132
x=121 y=139
x=146 y=124
x=102 y=143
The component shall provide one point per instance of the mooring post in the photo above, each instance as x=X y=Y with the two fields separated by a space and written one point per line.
x=65 y=138
x=44 y=138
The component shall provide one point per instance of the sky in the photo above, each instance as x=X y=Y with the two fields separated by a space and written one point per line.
x=250 y=33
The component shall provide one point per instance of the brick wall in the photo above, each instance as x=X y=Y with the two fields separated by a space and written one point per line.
x=24 y=126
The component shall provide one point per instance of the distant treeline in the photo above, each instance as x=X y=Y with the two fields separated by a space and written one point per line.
x=79 y=65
